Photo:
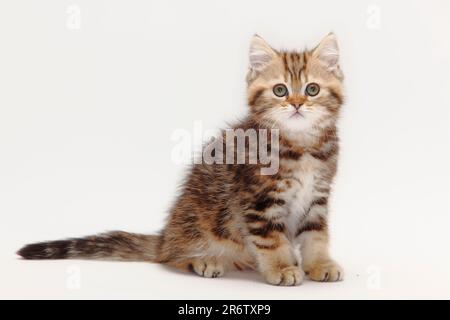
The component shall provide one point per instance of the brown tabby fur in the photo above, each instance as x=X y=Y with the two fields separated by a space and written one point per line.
x=229 y=216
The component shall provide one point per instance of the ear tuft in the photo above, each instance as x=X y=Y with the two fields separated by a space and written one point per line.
x=261 y=54
x=328 y=52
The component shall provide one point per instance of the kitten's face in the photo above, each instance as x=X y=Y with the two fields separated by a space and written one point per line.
x=295 y=92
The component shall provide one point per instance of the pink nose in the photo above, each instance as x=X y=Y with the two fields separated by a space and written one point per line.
x=296 y=105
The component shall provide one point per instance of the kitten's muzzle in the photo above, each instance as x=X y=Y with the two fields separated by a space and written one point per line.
x=297 y=105
x=297 y=101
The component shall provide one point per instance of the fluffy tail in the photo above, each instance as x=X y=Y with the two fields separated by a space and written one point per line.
x=116 y=245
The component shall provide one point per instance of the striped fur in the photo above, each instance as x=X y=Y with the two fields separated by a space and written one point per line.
x=116 y=245
x=229 y=216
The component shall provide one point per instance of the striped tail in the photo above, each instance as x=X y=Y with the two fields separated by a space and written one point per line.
x=116 y=245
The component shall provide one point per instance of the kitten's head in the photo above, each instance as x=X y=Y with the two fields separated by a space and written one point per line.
x=295 y=91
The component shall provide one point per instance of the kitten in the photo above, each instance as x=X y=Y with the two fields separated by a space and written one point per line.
x=231 y=216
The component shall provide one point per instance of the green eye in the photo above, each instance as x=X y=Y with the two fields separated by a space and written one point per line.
x=280 y=90
x=312 y=89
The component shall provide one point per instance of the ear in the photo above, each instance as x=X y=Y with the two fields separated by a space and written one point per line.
x=261 y=54
x=327 y=52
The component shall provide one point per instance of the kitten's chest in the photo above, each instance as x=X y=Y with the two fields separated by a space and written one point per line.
x=300 y=182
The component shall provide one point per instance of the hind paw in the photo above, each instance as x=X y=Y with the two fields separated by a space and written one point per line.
x=208 y=268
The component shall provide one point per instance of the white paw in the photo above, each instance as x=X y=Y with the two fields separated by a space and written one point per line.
x=208 y=269
x=289 y=276
x=328 y=271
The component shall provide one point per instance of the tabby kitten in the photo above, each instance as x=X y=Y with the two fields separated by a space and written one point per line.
x=230 y=216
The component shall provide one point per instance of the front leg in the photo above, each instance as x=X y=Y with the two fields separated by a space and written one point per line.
x=274 y=254
x=314 y=244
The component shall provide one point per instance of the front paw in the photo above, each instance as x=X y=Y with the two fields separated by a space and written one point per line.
x=326 y=271
x=289 y=276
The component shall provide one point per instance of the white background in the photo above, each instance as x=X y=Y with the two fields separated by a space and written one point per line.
x=88 y=105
